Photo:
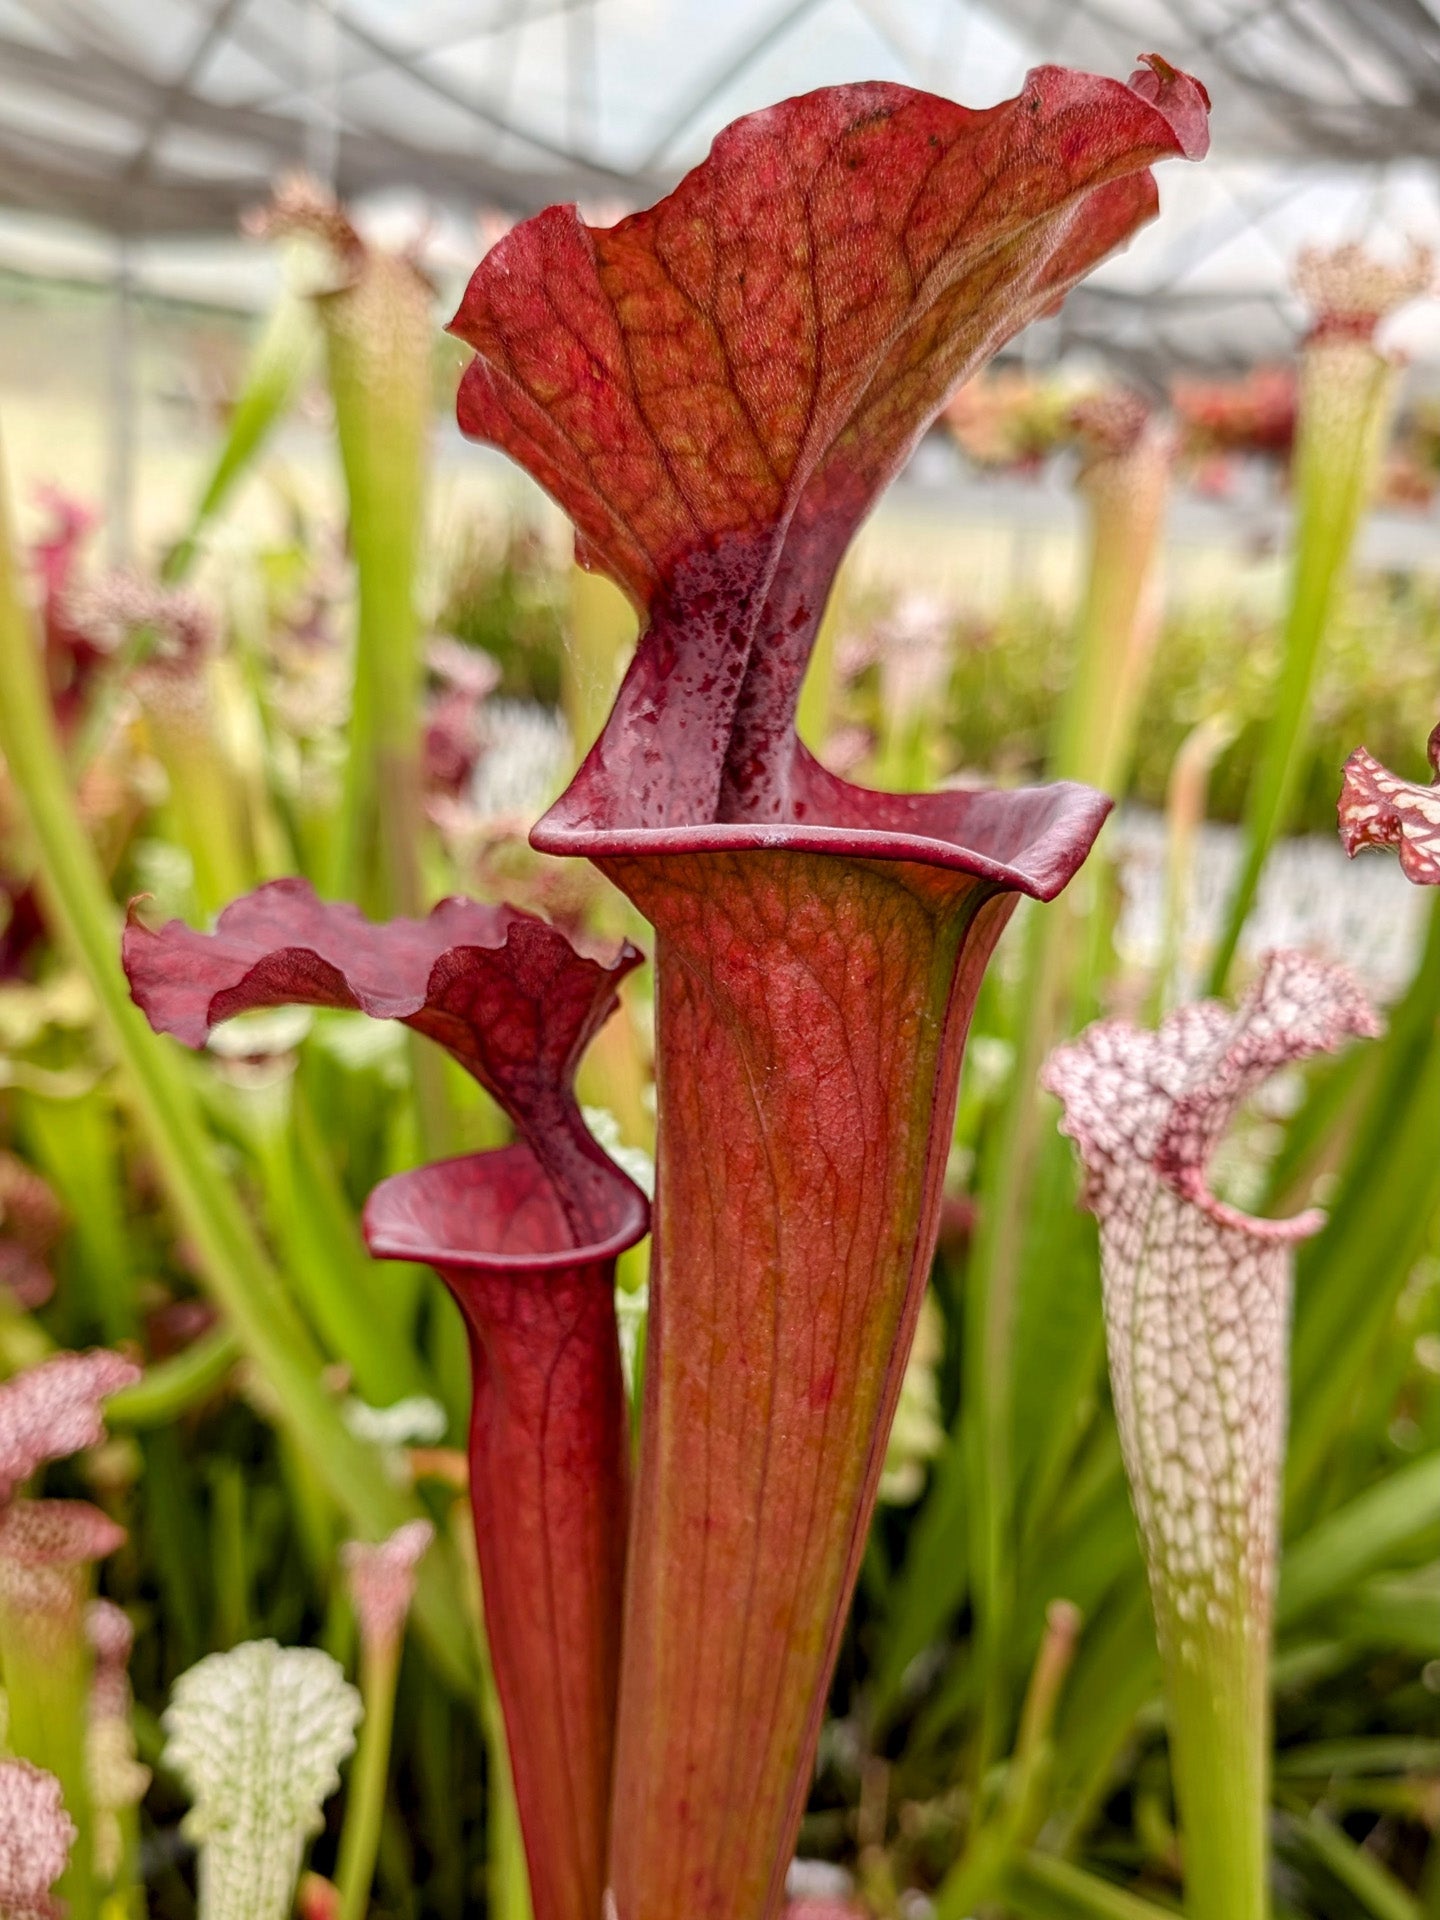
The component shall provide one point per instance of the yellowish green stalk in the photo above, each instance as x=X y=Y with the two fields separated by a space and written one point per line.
x=379 y=343
x=76 y=1144
x=172 y=1387
x=229 y=1554
x=45 y=1668
x=908 y=761
x=603 y=625
x=124 y=1899
x=236 y=676
x=815 y=714
x=507 y=1873
x=282 y=357
x=369 y=1777
x=337 y=1284
x=1184 y=814
x=1347 y=395
x=614 y=1075
x=379 y=348
x=23 y=1341
x=508 y=1877
x=203 y=812
x=1217 y=1691
x=1126 y=496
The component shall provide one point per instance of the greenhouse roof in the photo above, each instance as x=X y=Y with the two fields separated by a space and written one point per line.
x=162 y=120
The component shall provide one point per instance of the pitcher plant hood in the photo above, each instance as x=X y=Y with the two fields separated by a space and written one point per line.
x=718 y=389
x=1197 y=1293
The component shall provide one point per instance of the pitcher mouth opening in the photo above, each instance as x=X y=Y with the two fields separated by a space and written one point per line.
x=1030 y=840
x=496 y=1212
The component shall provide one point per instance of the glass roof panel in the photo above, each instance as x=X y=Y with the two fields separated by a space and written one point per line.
x=1326 y=125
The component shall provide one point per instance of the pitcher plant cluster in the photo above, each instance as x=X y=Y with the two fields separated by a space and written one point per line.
x=716 y=391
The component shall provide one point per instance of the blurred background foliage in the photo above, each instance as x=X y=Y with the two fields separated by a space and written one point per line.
x=987 y=1750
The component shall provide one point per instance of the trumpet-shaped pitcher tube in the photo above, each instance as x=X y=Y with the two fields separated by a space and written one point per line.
x=526 y=1239
x=716 y=391
x=548 y=1476
x=1197 y=1323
